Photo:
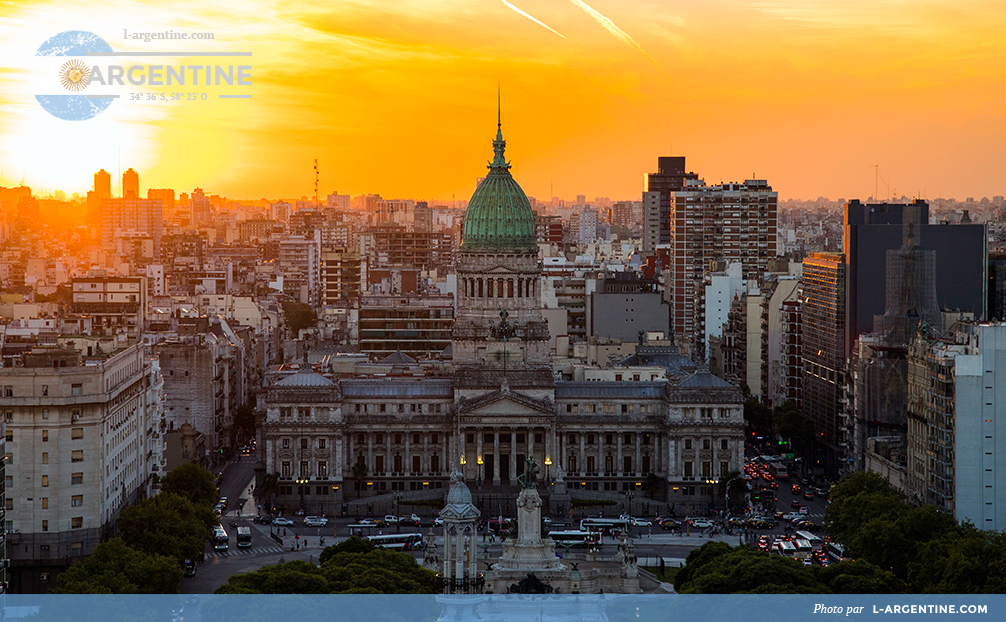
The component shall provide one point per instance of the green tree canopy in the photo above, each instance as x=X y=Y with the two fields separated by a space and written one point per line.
x=354 y=566
x=298 y=316
x=166 y=525
x=114 y=568
x=193 y=482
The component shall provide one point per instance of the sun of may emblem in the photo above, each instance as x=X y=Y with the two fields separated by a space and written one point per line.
x=74 y=75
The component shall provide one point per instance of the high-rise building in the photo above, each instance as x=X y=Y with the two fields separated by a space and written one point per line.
x=131 y=216
x=82 y=442
x=340 y=277
x=824 y=353
x=202 y=211
x=102 y=190
x=167 y=198
x=728 y=222
x=996 y=286
x=956 y=405
x=870 y=230
x=130 y=184
x=657 y=189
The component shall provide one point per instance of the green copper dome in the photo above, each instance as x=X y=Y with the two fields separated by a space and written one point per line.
x=499 y=215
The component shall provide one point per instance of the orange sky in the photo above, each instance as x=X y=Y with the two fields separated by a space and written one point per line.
x=399 y=97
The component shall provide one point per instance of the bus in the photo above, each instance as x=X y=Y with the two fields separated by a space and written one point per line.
x=835 y=551
x=244 y=536
x=575 y=537
x=815 y=541
x=786 y=548
x=397 y=541
x=803 y=548
x=601 y=524
x=220 y=539
x=778 y=470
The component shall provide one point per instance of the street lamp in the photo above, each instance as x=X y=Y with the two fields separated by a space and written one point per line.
x=629 y=494
x=478 y=479
x=398 y=502
x=548 y=463
x=302 y=484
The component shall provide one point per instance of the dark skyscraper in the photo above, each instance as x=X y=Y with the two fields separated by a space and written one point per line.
x=873 y=229
x=657 y=199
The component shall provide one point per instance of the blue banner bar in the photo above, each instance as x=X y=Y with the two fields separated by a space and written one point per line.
x=491 y=608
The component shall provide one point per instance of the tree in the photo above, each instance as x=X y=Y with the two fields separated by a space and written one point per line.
x=354 y=566
x=166 y=525
x=964 y=561
x=360 y=474
x=859 y=577
x=744 y=570
x=294 y=577
x=299 y=316
x=192 y=482
x=114 y=568
x=792 y=424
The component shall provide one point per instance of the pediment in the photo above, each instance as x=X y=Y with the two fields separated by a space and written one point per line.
x=505 y=403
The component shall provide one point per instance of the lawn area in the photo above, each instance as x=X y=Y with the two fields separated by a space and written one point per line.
x=668 y=575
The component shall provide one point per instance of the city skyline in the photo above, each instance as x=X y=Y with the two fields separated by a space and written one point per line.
x=399 y=98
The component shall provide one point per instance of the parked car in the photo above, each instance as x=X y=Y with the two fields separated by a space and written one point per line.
x=438 y=521
x=315 y=521
x=262 y=519
x=390 y=519
x=282 y=521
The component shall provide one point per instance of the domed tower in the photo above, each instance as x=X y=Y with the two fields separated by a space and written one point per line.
x=499 y=322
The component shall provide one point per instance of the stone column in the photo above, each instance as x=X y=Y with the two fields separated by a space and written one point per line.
x=407 y=457
x=447 y=552
x=473 y=562
x=530 y=446
x=496 y=456
x=425 y=466
x=582 y=467
x=389 y=459
x=618 y=459
x=370 y=453
x=637 y=466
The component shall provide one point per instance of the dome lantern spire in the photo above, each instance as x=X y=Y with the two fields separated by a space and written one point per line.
x=499 y=162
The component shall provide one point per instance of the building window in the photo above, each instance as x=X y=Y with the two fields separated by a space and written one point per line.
x=321 y=443
x=469 y=438
x=488 y=438
x=590 y=439
x=303 y=468
x=380 y=439
x=10 y=436
x=688 y=469
x=77 y=455
x=520 y=438
x=628 y=439
x=286 y=469
x=76 y=433
x=304 y=442
x=724 y=444
x=398 y=439
x=572 y=439
x=415 y=439
x=75 y=389
x=45 y=481
x=8 y=391
x=609 y=439
x=286 y=443
x=45 y=457
x=76 y=523
x=724 y=468
x=284 y=411
x=45 y=503
x=360 y=439
x=45 y=525
x=706 y=443
x=45 y=436
x=688 y=443
x=76 y=478
x=707 y=469
x=323 y=469
x=45 y=392
x=537 y=437
x=76 y=501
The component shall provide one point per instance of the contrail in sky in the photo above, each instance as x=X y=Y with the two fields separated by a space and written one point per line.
x=519 y=12
x=608 y=24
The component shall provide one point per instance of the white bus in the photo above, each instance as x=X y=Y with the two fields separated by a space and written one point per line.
x=803 y=548
x=835 y=551
x=244 y=537
x=220 y=539
x=815 y=541
x=601 y=524
x=575 y=537
x=786 y=548
x=397 y=541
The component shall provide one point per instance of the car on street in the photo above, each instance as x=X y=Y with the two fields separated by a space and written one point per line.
x=282 y=521
x=700 y=523
x=795 y=504
x=438 y=521
x=668 y=523
x=808 y=494
x=795 y=489
x=262 y=519
x=390 y=519
x=190 y=568
x=315 y=521
x=369 y=521
x=410 y=521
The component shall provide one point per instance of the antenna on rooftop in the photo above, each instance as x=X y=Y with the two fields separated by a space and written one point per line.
x=316 y=183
